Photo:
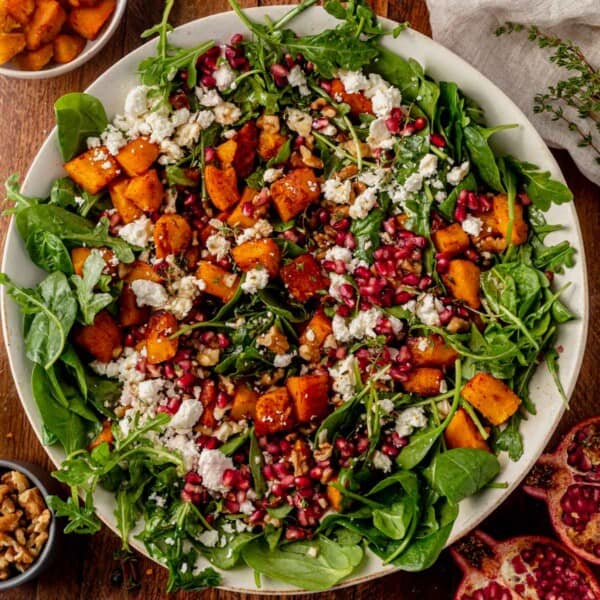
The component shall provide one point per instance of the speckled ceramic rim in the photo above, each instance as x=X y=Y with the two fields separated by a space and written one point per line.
x=46 y=557
x=524 y=141
x=91 y=49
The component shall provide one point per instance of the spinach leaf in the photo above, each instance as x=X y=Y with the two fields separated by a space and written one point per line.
x=176 y=176
x=398 y=72
x=73 y=363
x=72 y=229
x=394 y=520
x=481 y=155
x=78 y=116
x=291 y=311
x=366 y=232
x=233 y=444
x=282 y=155
x=257 y=462
x=48 y=252
x=90 y=303
x=63 y=193
x=228 y=556
x=461 y=472
x=453 y=117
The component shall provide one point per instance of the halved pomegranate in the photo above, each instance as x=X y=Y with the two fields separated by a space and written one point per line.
x=569 y=481
x=527 y=567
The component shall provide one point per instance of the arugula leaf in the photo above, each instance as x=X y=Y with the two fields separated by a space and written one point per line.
x=13 y=194
x=90 y=303
x=82 y=518
x=78 y=116
x=510 y=439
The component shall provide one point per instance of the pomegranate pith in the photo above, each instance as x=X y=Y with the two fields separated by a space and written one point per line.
x=568 y=480
x=531 y=567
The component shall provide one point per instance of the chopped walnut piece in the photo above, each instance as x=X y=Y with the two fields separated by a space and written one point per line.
x=10 y=522
x=33 y=503
x=274 y=340
x=15 y=480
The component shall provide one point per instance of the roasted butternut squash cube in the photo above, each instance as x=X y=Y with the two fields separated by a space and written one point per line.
x=520 y=230
x=172 y=235
x=105 y=435
x=463 y=433
x=218 y=282
x=431 y=351
x=128 y=210
x=295 y=192
x=491 y=397
x=313 y=337
x=8 y=24
x=159 y=345
x=247 y=212
x=303 y=277
x=102 y=339
x=334 y=496
x=34 y=60
x=310 y=396
x=451 y=240
x=244 y=403
x=146 y=191
x=226 y=152
x=462 y=281
x=87 y=21
x=221 y=185
x=20 y=10
x=47 y=20
x=129 y=312
x=138 y=156
x=269 y=144
x=79 y=256
x=424 y=381
x=357 y=101
x=274 y=412
x=264 y=252
x=140 y=270
x=10 y=45
x=93 y=170
x=67 y=47
x=245 y=152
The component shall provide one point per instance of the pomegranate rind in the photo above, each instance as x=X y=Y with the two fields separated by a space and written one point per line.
x=513 y=569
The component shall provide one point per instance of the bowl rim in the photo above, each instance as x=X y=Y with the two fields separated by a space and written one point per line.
x=549 y=163
x=41 y=562
x=90 y=50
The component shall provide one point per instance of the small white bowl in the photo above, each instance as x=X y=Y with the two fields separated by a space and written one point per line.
x=91 y=49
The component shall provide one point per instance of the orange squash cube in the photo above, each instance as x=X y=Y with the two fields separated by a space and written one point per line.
x=35 y=60
x=20 y=10
x=138 y=156
x=357 y=101
x=126 y=208
x=102 y=339
x=241 y=217
x=451 y=240
x=140 y=270
x=303 y=278
x=105 y=435
x=310 y=396
x=431 y=351
x=10 y=45
x=491 y=397
x=93 y=170
x=424 y=381
x=218 y=282
x=226 y=152
x=221 y=185
x=79 y=256
x=520 y=229
x=270 y=143
x=462 y=281
x=87 y=21
x=274 y=412
x=146 y=191
x=47 y=20
x=246 y=142
x=264 y=252
x=244 y=403
x=172 y=235
x=129 y=311
x=159 y=346
x=67 y=47
x=293 y=193
x=313 y=337
x=463 y=433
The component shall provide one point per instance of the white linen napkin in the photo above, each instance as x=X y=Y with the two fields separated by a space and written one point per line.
x=519 y=67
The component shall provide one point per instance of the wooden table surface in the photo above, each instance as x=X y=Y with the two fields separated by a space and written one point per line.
x=84 y=568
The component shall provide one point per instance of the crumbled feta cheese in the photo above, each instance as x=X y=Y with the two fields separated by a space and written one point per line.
x=363 y=204
x=138 y=232
x=410 y=419
x=427 y=310
x=339 y=253
x=180 y=307
x=298 y=121
x=180 y=117
x=224 y=76
x=312 y=551
x=342 y=375
x=382 y=462
x=261 y=229
x=354 y=81
x=136 y=102
x=440 y=196
x=209 y=538
x=472 y=225
x=211 y=466
x=218 y=245
x=171 y=153
x=272 y=175
x=443 y=386
x=428 y=165
x=379 y=135
x=208 y=97
x=413 y=183
x=113 y=139
x=93 y=142
x=340 y=330
x=188 y=134
x=227 y=113
x=186 y=446
x=335 y=283
x=160 y=125
x=457 y=174
x=149 y=293
x=187 y=415
x=384 y=100
x=149 y=390
x=283 y=360
x=205 y=118
x=386 y=405
x=363 y=325
x=255 y=279
x=337 y=191
x=296 y=78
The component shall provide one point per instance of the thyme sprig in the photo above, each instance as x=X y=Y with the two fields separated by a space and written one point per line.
x=580 y=91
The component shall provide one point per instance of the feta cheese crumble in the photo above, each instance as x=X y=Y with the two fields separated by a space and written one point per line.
x=138 y=232
x=472 y=225
x=457 y=174
x=410 y=419
x=255 y=279
x=190 y=410
x=363 y=204
x=212 y=464
x=149 y=293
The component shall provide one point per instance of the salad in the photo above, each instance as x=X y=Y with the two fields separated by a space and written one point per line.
x=293 y=303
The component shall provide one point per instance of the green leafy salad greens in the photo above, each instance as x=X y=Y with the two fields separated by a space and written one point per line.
x=385 y=477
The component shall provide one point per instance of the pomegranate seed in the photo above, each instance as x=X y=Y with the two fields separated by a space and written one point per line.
x=437 y=140
x=316 y=473
x=460 y=214
x=446 y=315
x=212 y=443
x=342 y=224
x=294 y=533
x=208 y=81
x=173 y=405
x=462 y=198
x=236 y=39
x=210 y=154
x=230 y=477
x=343 y=311
x=393 y=125
x=320 y=123
x=193 y=477
x=278 y=70
x=419 y=123
x=302 y=482
x=233 y=506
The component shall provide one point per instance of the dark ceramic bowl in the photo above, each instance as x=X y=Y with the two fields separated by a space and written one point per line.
x=44 y=482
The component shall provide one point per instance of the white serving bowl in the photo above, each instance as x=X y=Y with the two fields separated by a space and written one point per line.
x=90 y=50
x=524 y=142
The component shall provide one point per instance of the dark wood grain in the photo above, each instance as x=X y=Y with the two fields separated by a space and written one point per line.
x=83 y=570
